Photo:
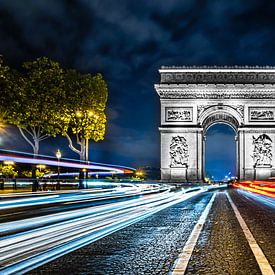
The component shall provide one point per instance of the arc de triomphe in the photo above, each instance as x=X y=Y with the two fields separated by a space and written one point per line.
x=194 y=98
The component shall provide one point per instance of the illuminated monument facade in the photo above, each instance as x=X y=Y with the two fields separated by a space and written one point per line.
x=194 y=98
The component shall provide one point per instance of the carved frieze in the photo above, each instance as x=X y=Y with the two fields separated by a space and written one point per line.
x=178 y=114
x=238 y=108
x=229 y=94
x=201 y=108
x=261 y=114
x=218 y=77
x=262 y=151
x=178 y=152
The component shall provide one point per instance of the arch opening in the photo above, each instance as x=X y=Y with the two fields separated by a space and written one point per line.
x=220 y=117
x=220 y=150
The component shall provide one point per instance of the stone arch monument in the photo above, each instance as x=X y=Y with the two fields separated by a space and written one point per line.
x=194 y=98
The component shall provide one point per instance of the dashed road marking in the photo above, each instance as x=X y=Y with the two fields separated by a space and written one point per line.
x=181 y=263
x=263 y=263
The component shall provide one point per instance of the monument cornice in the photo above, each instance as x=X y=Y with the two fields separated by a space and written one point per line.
x=215 y=67
x=238 y=91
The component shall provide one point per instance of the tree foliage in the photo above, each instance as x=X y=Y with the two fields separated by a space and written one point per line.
x=8 y=171
x=84 y=115
x=7 y=85
x=44 y=100
x=37 y=99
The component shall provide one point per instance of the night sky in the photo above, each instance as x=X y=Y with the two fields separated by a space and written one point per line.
x=127 y=41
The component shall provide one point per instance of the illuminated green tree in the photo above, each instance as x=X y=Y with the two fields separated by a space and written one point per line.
x=6 y=89
x=8 y=171
x=8 y=84
x=37 y=99
x=84 y=115
x=3 y=70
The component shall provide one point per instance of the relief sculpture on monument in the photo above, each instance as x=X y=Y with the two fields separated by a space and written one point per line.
x=261 y=115
x=178 y=152
x=178 y=114
x=262 y=153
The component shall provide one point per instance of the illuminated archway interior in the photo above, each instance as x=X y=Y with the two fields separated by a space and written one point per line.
x=220 y=153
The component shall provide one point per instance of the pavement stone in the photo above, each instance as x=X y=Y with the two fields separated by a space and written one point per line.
x=222 y=247
x=260 y=219
x=148 y=247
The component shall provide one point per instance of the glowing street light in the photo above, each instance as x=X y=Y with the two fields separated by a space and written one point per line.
x=139 y=173
x=8 y=162
x=78 y=114
x=58 y=154
x=40 y=167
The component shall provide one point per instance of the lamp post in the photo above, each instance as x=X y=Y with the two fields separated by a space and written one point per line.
x=40 y=167
x=58 y=156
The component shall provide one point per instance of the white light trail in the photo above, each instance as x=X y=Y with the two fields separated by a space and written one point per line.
x=60 y=163
x=64 y=232
x=47 y=199
x=258 y=197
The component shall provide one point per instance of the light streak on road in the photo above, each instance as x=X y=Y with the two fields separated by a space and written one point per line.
x=59 y=163
x=259 y=187
x=48 y=237
x=12 y=153
x=17 y=157
x=75 y=174
x=80 y=196
x=259 y=198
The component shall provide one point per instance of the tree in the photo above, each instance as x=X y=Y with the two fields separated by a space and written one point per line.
x=32 y=101
x=8 y=83
x=38 y=97
x=84 y=116
x=6 y=89
x=8 y=171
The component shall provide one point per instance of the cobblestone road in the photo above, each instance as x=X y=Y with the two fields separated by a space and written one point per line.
x=147 y=247
x=152 y=245
x=222 y=247
x=260 y=219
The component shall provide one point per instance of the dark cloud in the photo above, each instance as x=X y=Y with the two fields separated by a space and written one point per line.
x=128 y=41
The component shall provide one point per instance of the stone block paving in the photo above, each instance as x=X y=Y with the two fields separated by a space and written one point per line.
x=148 y=247
x=222 y=247
x=260 y=218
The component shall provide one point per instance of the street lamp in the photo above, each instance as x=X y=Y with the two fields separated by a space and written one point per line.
x=58 y=156
x=40 y=167
x=8 y=162
x=40 y=175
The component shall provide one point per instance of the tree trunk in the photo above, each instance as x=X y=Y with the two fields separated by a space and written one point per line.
x=87 y=156
x=82 y=158
x=35 y=183
x=33 y=137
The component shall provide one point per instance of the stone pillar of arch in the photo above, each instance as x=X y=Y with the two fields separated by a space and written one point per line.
x=193 y=99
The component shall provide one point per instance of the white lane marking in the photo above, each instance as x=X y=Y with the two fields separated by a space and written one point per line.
x=263 y=263
x=181 y=263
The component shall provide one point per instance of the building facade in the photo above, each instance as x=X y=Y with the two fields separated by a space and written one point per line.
x=194 y=98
